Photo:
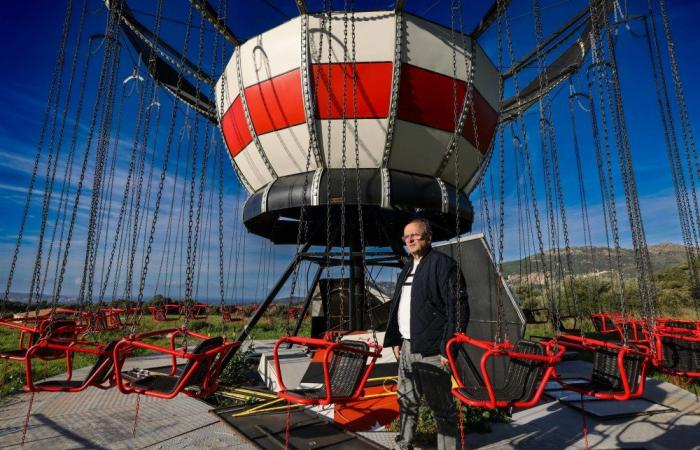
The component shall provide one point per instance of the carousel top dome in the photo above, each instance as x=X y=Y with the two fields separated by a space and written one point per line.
x=288 y=105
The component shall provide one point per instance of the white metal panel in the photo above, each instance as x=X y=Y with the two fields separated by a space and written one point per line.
x=287 y=149
x=228 y=79
x=417 y=148
x=468 y=162
x=371 y=134
x=252 y=166
x=486 y=79
x=374 y=37
x=272 y=53
x=428 y=46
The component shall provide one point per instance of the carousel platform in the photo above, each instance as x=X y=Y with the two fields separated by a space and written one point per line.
x=104 y=419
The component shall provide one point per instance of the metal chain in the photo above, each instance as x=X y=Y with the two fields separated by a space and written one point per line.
x=111 y=44
x=531 y=180
x=360 y=215
x=599 y=67
x=686 y=132
x=302 y=228
x=249 y=120
x=54 y=89
x=329 y=244
x=343 y=166
x=166 y=156
x=585 y=219
x=309 y=100
x=395 y=85
x=59 y=140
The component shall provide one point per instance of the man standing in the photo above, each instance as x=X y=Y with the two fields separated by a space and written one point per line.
x=429 y=296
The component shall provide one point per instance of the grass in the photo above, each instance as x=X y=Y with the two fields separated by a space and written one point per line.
x=271 y=326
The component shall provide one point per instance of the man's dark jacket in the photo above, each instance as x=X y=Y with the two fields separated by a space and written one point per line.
x=437 y=286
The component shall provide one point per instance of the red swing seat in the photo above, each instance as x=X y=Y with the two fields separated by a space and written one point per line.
x=672 y=325
x=294 y=312
x=101 y=375
x=45 y=329
x=619 y=371
x=161 y=313
x=677 y=354
x=198 y=311
x=634 y=330
x=530 y=366
x=605 y=322
x=198 y=379
x=232 y=313
x=345 y=370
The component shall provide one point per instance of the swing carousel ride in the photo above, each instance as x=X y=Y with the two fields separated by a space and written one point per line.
x=341 y=124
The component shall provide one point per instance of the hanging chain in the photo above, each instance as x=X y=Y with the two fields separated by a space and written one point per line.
x=693 y=165
x=356 y=137
x=343 y=167
x=302 y=228
x=531 y=184
x=329 y=243
x=54 y=91
x=110 y=48
x=395 y=85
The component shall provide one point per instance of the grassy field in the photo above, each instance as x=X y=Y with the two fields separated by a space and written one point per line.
x=271 y=326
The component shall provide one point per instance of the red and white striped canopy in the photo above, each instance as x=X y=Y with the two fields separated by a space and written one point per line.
x=281 y=104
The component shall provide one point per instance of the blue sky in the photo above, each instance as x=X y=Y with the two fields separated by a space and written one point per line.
x=30 y=32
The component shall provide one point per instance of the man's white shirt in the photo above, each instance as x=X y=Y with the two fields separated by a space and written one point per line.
x=404 y=315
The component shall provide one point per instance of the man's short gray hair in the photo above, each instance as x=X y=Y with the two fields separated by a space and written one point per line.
x=427 y=229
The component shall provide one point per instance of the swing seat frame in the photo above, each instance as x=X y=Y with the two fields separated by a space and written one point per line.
x=677 y=354
x=31 y=336
x=198 y=311
x=606 y=322
x=199 y=378
x=101 y=375
x=670 y=325
x=333 y=356
x=544 y=363
x=232 y=314
x=161 y=313
x=619 y=371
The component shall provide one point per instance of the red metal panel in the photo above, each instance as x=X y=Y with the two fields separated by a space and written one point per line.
x=235 y=128
x=427 y=98
x=276 y=103
x=486 y=121
x=373 y=90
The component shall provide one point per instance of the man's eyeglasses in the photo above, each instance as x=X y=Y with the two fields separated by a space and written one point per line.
x=408 y=237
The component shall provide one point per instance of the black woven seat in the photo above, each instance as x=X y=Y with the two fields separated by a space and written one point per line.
x=345 y=370
x=602 y=324
x=606 y=375
x=168 y=383
x=522 y=378
x=680 y=355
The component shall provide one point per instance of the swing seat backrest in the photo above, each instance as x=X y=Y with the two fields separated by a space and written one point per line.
x=523 y=376
x=63 y=329
x=603 y=323
x=536 y=315
x=202 y=371
x=680 y=354
x=103 y=368
x=346 y=369
x=606 y=371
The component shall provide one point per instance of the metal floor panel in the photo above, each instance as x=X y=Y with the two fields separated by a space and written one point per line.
x=102 y=419
x=306 y=430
